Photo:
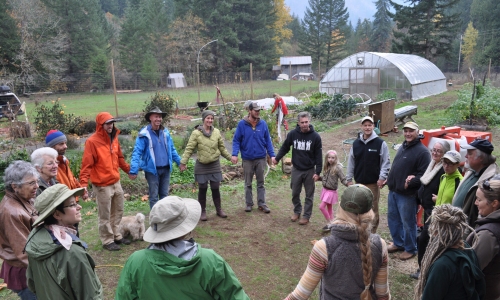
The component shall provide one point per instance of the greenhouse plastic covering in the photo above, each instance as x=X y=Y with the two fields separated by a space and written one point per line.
x=410 y=76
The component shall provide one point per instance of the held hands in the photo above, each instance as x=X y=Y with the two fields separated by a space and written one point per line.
x=408 y=179
x=132 y=176
x=85 y=195
x=182 y=167
x=234 y=159
x=381 y=183
x=316 y=177
x=274 y=160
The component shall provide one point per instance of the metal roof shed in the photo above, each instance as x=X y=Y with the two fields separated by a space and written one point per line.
x=410 y=76
x=298 y=64
x=176 y=80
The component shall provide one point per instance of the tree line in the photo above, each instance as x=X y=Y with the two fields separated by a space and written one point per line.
x=47 y=42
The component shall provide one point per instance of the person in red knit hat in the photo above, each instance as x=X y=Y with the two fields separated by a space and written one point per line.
x=57 y=140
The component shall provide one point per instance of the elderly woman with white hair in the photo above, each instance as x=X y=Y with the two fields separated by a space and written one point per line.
x=17 y=216
x=45 y=161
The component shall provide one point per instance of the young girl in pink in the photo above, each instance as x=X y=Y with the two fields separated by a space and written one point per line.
x=332 y=173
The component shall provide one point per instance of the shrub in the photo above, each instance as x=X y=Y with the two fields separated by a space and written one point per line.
x=164 y=102
x=386 y=95
x=72 y=142
x=331 y=107
x=128 y=127
x=49 y=117
x=75 y=161
x=485 y=107
x=4 y=163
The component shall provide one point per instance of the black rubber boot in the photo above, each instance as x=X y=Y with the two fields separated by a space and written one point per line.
x=202 y=198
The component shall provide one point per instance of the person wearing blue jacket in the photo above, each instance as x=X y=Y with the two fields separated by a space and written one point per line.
x=154 y=153
x=253 y=140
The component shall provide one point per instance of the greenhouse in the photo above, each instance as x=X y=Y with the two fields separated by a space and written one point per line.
x=410 y=76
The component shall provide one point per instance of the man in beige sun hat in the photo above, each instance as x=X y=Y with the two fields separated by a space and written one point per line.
x=174 y=264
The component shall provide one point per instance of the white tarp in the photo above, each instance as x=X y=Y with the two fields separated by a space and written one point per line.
x=267 y=103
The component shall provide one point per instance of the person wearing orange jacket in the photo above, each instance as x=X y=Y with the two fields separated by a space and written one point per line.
x=102 y=157
x=57 y=140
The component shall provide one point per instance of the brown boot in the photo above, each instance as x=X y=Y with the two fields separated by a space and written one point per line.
x=202 y=198
x=217 y=203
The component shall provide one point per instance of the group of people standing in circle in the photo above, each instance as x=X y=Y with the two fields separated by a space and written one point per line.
x=458 y=247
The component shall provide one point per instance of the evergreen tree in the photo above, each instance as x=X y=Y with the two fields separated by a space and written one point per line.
x=157 y=23
x=313 y=40
x=255 y=34
x=363 y=35
x=382 y=25
x=135 y=40
x=87 y=29
x=485 y=17
x=9 y=37
x=335 y=15
x=425 y=27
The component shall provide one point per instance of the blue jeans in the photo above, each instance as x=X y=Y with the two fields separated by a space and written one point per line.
x=25 y=294
x=402 y=219
x=158 y=183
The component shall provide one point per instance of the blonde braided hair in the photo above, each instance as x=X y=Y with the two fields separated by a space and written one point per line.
x=363 y=225
x=447 y=228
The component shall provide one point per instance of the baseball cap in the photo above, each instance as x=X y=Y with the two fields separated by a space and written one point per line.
x=254 y=106
x=411 y=125
x=453 y=156
x=357 y=199
x=367 y=118
x=480 y=144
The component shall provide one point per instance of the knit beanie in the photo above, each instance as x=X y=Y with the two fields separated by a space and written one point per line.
x=54 y=137
x=207 y=113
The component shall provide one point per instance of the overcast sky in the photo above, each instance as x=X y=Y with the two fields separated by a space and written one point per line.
x=358 y=9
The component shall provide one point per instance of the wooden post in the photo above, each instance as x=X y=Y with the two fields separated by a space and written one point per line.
x=489 y=69
x=251 y=82
x=290 y=72
x=319 y=69
x=114 y=86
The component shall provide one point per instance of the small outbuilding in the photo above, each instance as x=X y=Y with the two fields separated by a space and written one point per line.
x=299 y=64
x=410 y=76
x=176 y=80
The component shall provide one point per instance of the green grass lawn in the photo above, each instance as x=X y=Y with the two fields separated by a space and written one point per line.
x=89 y=105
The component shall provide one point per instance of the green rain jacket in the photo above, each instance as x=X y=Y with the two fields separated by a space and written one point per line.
x=157 y=274
x=56 y=273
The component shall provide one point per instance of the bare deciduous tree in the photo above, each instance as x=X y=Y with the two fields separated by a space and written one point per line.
x=42 y=42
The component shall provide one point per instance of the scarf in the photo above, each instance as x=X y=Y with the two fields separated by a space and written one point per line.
x=61 y=234
x=205 y=133
x=431 y=171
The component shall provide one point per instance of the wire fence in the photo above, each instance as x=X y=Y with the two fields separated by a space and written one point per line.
x=81 y=82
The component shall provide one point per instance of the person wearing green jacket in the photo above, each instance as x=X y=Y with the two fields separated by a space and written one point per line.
x=174 y=266
x=450 y=179
x=208 y=140
x=59 y=266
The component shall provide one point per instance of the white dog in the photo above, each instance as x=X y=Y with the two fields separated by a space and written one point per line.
x=133 y=225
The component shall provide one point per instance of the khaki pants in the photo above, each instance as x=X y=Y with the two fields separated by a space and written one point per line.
x=376 y=196
x=110 y=209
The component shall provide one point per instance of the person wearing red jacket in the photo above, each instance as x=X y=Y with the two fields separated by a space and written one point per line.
x=102 y=157
x=280 y=105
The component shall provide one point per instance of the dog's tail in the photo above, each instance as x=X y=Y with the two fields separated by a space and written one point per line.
x=139 y=218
